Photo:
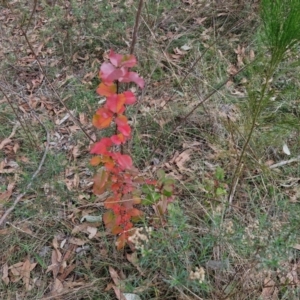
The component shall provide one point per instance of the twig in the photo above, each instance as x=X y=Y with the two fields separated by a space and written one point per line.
x=3 y=218
x=53 y=89
x=207 y=97
x=24 y=33
x=136 y=26
x=285 y=162
x=32 y=13
x=197 y=297
x=30 y=139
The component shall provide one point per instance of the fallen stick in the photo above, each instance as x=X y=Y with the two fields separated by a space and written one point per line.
x=3 y=218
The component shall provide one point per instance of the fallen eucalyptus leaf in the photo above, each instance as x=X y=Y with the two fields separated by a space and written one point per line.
x=91 y=219
x=131 y=296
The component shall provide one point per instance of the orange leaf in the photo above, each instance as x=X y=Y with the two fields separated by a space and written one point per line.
x=111 y=202
x=95 y=161
x=109 y=218
x=101 y=182
x=102 y=118
x=116 y=230
x=106 y=90
x=121 y=241
x=134 y=212
x=115 y=103
x=109 y=165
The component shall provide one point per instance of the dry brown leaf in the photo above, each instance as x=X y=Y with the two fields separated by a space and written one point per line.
x=5 y=277
x=56 y=259
x=6 y=195
x=118 y=293
x=73 y=284
x=296 y=246
x=83 y=227
x=25 y=273
x=16 y=269
x=66 y=272
x=76 y=180
x=182 y=158
x=83 y=119
x=270 y=291
x=114 y=276
x=5 y=231
x=134 y=260
x=69 y=253
x=16 y=147
x=76 y=241
x=8 y=167
x=57 y=287
x=76 y=151
x=4 y=143
x=232 y=70
x=92 y=231
x=89 y=76
x=252 y=55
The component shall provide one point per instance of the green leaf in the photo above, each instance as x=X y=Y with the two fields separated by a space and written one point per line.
x=161 y=174
x=168 y=190
x=220 y=191
x=150 y=199
x=169 y=181
x=146 y=189
x=219 y=174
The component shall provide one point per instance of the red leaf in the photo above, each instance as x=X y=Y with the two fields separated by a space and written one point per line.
x=100 y=182
x=115 y=103
x=130 y=97
x=118 y=139
x=121 y=120
x=132 y=77
x=106 y=89
x=119 y=60
x=124 y=161
x=109 y=73
x=124 y=129
x=102 y=146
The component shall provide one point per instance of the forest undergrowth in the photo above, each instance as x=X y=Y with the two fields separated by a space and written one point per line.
x=215 y=127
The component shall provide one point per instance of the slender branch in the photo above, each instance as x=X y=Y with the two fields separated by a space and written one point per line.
x=24 y=32
x=239 y=166
x=30 y=139
x=136 y=26
x=3 y=218
x=285 y=162
x=184 y=118
x=31 y=16
x=53 y=89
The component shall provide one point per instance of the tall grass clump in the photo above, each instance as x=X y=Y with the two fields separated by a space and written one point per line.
x=278 y=37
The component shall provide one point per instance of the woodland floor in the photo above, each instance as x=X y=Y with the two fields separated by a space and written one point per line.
x=50 y=54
